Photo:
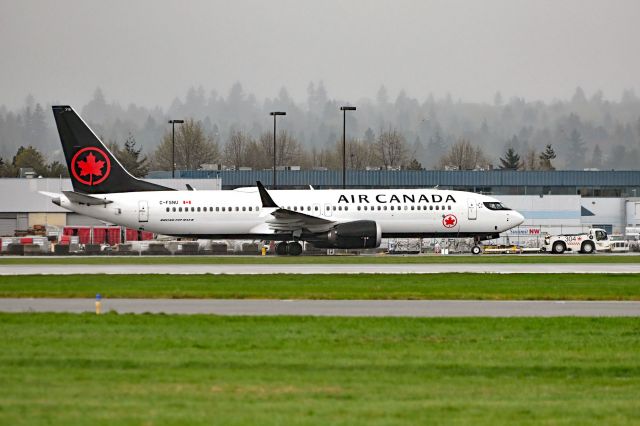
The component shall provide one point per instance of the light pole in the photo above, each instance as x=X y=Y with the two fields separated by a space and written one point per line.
x=344 y=110
x=173 y=146
x=275 y=114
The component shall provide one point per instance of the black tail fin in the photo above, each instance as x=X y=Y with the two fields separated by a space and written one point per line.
x=92 y=167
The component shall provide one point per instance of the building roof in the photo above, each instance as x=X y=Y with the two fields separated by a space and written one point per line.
x=418 y=178
x=22 y=195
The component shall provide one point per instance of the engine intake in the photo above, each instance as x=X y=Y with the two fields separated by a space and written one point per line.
x=350 y=235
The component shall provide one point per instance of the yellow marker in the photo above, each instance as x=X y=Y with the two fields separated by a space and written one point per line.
x=98 y=304
x=264 y=251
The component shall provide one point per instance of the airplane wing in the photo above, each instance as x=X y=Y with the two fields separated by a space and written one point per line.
x=285 y=220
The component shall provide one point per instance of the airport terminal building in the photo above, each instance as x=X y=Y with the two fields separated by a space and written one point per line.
x=551 y=201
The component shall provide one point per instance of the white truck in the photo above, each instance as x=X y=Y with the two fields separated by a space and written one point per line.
x=593 y=240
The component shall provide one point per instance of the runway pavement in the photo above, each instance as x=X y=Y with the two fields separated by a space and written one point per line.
x=591 y=268
x=348 y=308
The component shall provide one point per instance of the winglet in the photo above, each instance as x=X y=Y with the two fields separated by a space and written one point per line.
x=267 y=201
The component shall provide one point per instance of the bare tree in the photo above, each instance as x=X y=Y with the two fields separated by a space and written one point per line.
x=530 y=161
x=463 y=156
x=391 y=148
x=236 y=150
x=192 y=148
x=288 y=149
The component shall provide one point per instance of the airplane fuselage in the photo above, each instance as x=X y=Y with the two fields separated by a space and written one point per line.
x=239 y=213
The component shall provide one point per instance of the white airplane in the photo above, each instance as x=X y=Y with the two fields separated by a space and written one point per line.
x=354 y=218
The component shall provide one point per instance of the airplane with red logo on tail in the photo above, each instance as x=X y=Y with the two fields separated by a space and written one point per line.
x=332 y=218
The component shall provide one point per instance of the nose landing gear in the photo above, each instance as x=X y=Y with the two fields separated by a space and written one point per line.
x=476 y=249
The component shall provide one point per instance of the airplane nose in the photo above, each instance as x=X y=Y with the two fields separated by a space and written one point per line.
x=518 y=218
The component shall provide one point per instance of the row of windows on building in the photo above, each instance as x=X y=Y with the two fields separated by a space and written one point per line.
x=308 y=208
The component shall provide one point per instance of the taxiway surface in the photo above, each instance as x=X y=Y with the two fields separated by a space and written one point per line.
x=350 y=308
x=513 y=268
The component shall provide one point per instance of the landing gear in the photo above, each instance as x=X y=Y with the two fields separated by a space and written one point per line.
x=476 y=249
x=293 y=248
x=282 y=249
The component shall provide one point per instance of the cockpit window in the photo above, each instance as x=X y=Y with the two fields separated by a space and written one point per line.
x=494 y=205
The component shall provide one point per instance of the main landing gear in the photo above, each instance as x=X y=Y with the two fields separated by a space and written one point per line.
x=293 y=248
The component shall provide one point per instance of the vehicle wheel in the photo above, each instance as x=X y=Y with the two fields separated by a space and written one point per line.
x=294 y=248
x=476 y=250
x=587 y=247
x=558 y=247
x=282 y=249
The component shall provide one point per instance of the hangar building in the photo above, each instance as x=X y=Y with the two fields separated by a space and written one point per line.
x=551 y=201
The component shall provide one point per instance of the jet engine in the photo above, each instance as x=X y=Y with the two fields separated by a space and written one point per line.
x=350 y=235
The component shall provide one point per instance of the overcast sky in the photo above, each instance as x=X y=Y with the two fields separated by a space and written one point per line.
x=149 y=51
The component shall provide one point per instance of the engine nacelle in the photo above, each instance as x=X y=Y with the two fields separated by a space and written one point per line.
x=350 y=235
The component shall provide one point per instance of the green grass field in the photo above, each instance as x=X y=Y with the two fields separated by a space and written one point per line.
x=338 y=286
x=385 y=259
x=166 y=370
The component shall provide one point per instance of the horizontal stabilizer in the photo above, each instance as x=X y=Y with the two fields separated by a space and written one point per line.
x=77 y=197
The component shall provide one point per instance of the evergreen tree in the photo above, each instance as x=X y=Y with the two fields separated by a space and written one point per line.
x=596 y=157
x=56 y=169
x=131 y=159
x=511 y=160
x=545 y=158
x=414 y=165
x=30 y=157
x=576 y=149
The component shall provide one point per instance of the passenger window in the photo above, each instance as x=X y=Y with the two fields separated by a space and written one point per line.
x=384 y=207
x=449 y=207
x=379 y=208
x=340 y=208
x=412 y=207
x=316 y=208
x=346 y=208
x=334 y=208
x=198 y=209
x=250 y=208
x=308 y=208
x=167 y=209
x=173 y=209
x=359 y=208
x=180 y=209
x=223 y=209
x=237 y=209
x=391 y=207
x=430 y=207
x=244 y=209
x=217 y=209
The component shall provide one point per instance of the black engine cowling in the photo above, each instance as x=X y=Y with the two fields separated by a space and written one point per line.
x=350 y=235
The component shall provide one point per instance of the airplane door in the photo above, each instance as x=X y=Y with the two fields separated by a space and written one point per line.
x=143 y=211
x=327 y=209
x=473 y=209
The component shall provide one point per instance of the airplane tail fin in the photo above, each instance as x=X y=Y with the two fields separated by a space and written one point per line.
x=92 y=167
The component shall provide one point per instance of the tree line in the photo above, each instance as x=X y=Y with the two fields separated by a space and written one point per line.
x=584 y=131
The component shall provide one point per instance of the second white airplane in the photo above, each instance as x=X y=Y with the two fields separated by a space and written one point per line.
x=104 y=190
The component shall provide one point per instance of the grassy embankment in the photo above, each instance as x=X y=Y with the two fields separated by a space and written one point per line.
x=338 y=286
x=157 y=369
x=382 y=259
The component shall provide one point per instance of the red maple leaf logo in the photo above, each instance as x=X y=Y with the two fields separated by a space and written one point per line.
x=91 y=167
x=449 y=221
x=91 y=170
